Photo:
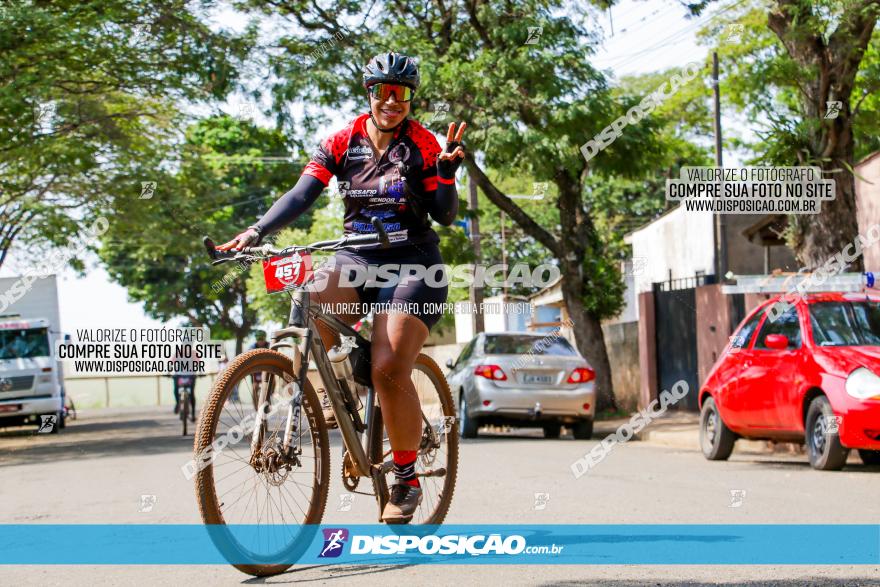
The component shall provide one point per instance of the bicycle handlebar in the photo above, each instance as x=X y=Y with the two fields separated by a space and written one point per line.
x=349 y=241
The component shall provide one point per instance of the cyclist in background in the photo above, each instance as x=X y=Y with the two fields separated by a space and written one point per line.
x=392 y=168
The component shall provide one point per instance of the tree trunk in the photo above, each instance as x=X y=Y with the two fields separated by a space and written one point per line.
x=570 y=250
x=820 y=237
x=834 y=61
x=590 y=340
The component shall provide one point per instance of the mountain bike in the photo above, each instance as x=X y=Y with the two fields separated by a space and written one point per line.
x=269 y=468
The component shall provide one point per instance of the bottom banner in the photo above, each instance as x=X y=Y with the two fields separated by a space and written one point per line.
x=152 y=544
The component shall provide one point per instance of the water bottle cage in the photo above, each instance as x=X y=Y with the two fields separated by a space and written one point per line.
x=360 y=363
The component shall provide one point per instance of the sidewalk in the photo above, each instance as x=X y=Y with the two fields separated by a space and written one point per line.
x=681 y=430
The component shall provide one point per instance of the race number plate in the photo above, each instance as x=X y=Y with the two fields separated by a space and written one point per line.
x=286 y=272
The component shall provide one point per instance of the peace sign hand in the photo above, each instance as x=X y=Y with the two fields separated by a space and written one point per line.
x=452 y=156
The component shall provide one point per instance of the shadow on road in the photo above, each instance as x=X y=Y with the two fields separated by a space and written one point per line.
x=101 y=437
x=331 y=573
x=802 y=581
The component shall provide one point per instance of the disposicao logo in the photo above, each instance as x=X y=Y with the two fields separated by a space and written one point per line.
x=334 y=539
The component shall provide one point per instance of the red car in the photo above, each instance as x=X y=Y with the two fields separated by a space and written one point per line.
x=810 y=375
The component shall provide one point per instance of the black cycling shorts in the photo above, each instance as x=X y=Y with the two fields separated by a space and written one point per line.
x=410 y=279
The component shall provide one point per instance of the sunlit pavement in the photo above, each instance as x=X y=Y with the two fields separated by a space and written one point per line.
x=98 y=469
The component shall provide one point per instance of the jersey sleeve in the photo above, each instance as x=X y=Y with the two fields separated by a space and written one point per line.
x=430 y=150
x=326 y=158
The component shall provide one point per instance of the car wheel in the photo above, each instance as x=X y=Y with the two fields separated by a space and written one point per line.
x=467 y=426
x=823 y=443
x=583 y=429
x=552 y=430
x=716 y=439
x=870 y=457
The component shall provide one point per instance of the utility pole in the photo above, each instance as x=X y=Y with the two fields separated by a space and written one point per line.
x=720 y=225
x=476 y=288
x=503 y=260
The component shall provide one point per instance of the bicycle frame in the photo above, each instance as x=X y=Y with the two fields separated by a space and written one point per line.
x=302 y=324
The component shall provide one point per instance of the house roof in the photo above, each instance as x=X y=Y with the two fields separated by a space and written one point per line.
x=549 y=295
x=763 y=229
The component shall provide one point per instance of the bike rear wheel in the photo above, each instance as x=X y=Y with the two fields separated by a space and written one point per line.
x=279 y=501
x=438 y=449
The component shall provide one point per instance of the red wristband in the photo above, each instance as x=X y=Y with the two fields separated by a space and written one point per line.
x=443 y=180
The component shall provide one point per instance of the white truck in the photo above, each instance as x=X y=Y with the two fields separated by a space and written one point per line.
x=31 y=379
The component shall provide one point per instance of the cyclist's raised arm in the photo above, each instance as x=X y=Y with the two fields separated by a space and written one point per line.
x=288 y=207
x=444 y=204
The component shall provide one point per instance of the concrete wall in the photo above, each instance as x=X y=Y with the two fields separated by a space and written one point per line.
x=713 y=311
x=96 y=391
x=622 y=342
x=441 y=352
x=747 y=258
x=868 y=204
x=647 y=350
x=679 y=241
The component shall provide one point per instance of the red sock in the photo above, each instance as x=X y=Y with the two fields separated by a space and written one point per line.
x=405 y=466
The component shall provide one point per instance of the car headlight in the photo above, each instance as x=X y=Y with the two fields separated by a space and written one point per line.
x=863 y=384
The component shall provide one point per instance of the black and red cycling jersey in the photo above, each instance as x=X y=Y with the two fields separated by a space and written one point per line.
x=401 y=187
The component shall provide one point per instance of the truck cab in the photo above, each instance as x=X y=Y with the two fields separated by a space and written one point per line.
x=31 y=380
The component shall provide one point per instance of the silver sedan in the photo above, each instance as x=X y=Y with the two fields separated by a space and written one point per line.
x=523 y=379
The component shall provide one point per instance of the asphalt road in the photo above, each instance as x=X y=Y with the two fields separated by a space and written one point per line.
x=97 y=470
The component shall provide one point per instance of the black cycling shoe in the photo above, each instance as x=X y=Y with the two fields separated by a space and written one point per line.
x=403 y=503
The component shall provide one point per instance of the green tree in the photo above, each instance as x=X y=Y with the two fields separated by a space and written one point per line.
x=84 y=87
x=797 y=58
x=228 y=174
x=529 y=106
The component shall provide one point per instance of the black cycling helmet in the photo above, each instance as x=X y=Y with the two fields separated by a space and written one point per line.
x=393 y=68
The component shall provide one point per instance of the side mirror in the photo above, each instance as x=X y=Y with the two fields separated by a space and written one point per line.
x=449 y=363
x=777 y=342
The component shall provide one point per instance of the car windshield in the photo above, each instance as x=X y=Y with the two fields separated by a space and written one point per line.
x=845 y=323
x=524 y=344
x=23 y=344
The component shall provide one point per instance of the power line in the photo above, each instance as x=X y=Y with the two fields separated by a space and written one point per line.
x=673 y=37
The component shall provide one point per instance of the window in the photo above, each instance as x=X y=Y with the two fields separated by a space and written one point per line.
x=845 y=323
x=741 y=339
x=524 y=344
x=24 y=344
x=787 y=325
x=465 y=352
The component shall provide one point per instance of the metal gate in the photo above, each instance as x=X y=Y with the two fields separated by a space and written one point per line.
x=676 y=331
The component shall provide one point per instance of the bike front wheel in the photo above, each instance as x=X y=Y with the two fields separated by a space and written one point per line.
x=261 y=504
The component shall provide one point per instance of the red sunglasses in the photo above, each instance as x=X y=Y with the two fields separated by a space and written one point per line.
x=383 y=91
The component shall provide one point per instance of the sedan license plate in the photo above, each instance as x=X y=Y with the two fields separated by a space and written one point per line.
x=537 y=379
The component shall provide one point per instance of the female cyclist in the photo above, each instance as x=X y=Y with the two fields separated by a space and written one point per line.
x=388 y=166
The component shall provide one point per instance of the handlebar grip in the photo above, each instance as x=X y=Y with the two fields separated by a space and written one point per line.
x=380 y=230
x=211 y=247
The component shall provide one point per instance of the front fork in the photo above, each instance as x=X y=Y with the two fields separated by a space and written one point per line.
x=294 y=406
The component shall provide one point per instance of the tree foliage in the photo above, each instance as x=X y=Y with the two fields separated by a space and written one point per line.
x=84 y=87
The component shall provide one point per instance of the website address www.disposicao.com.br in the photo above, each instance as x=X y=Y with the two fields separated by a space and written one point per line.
x=336 y=539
